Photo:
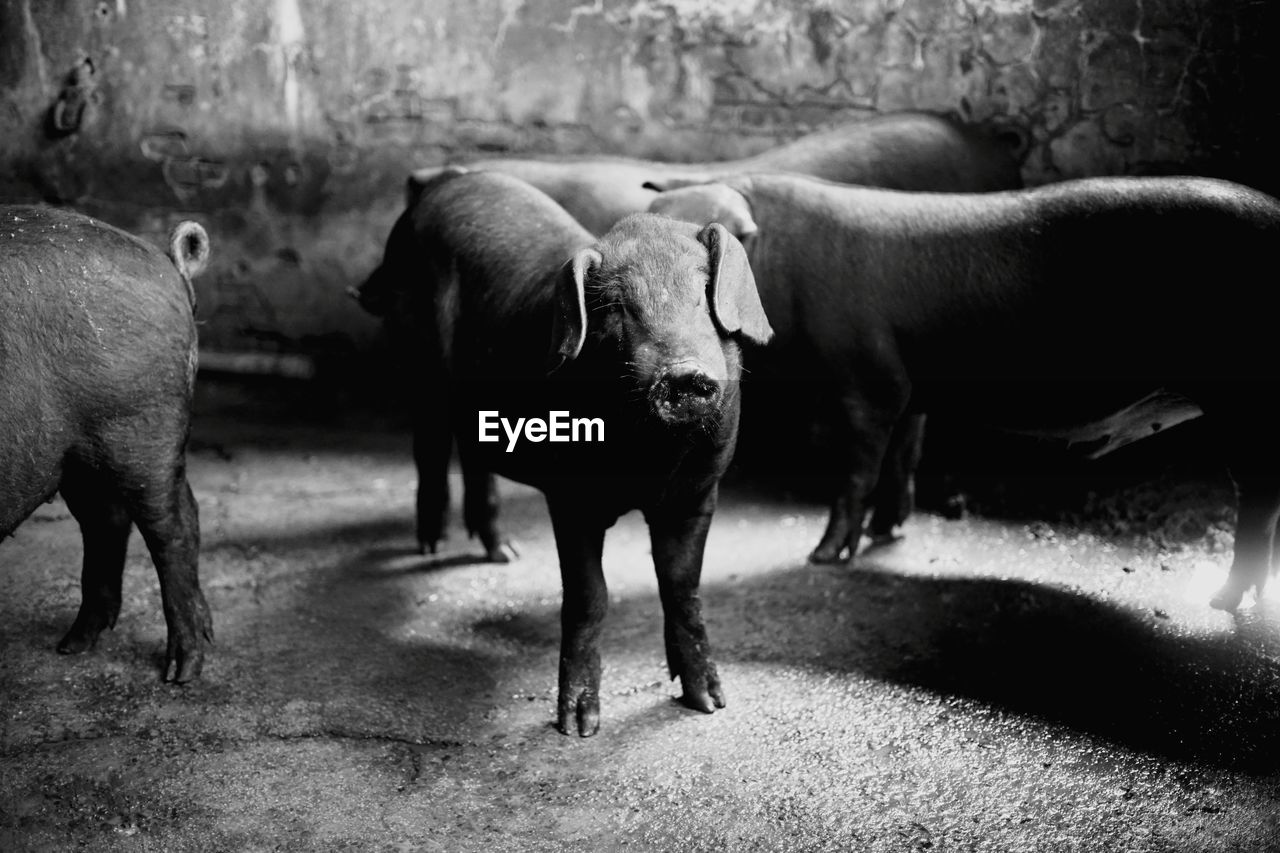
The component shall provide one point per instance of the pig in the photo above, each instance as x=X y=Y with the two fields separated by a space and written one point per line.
x=522 y=312
x=97 y=365
x=902 y=150
x=1095 y=311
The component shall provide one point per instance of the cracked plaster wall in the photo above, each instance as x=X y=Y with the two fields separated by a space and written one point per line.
x=287 y=125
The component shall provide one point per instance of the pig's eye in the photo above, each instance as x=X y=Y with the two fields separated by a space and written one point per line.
x=609 y=317
x=626 y=315
x=631 y=315
x=618 y=309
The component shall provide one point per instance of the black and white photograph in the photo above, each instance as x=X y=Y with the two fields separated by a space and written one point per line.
x=524 y=426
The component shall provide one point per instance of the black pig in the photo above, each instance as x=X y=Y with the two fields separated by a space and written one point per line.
x=901 y=150
x=97 y=364
x=1097 y=311
x=520 y=312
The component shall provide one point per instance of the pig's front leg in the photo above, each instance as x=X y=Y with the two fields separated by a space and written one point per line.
x=580 y=544
x=432 y=443
x=678 y=542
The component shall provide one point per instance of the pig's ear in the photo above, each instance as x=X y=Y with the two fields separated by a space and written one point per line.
x=708 y=203
x=674 y=182
x=735 y=303
x=569 y=325
x=416 y=184
x=420 y=179
x=737 y=218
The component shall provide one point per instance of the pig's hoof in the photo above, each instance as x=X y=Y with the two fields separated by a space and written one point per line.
x=184 y=659
x=955 y=508
x=826 y=554
x=704 y=697
x=181 y=667
x=82 y=636
x=425 y=548
x=1228 y=598
x=579 y=710
x=75 y=643
x=503 y=552
x=880 y=538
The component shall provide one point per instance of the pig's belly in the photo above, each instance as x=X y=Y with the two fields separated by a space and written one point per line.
x=33 y=442
x=23 y=487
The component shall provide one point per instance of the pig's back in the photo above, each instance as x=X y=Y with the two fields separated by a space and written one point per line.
x=1078 y=276
x=95 y=326
x=903 y=151
x=79 y=292
x=496 y=244
x=493 y=218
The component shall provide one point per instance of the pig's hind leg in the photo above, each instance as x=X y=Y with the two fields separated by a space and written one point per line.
x=104 y=528
x=868 y=430
x=147 y=467
x=480 y=511
x=1258 y=508
x=893 y=498
x=166 y=514
x=1243 y=425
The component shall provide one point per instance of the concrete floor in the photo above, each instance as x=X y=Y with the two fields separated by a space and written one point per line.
x=979 y=685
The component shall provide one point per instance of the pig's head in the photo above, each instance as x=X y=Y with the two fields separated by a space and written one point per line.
x=384 y=292
x=703 y=203
x=666 y=303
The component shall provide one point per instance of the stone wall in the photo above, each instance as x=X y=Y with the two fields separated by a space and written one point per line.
x=287 y=125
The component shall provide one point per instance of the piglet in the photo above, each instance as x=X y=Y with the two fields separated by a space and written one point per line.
x=97 y=364
x=523 y=318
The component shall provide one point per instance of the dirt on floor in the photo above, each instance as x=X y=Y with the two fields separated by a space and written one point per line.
x=991 y=684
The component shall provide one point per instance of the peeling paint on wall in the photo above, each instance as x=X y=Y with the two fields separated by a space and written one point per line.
x=287 y=127
x=292 y=40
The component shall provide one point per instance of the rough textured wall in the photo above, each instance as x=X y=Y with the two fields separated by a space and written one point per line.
x=287 y=125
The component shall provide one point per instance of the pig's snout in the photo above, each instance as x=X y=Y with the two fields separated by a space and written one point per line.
x=685 y=396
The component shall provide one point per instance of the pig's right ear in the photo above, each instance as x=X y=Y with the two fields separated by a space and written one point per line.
x=735 y=302
x=569 y=324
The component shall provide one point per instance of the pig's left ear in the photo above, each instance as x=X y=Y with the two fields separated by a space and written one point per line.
x=569 y=325
x=735 y=303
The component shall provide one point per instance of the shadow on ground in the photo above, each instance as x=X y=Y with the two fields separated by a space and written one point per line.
x=362 y=696
x=1047 y=653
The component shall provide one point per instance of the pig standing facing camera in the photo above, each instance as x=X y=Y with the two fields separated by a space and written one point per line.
x=522 y=317
x=97 y=365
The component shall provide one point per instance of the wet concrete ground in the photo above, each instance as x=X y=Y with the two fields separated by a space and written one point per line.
x=979 y=685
